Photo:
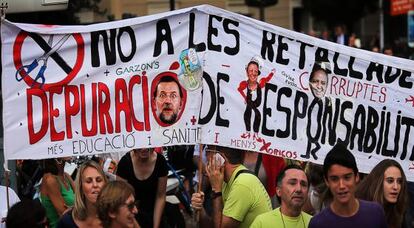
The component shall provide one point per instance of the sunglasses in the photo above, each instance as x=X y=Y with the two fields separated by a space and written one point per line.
x=132 y=205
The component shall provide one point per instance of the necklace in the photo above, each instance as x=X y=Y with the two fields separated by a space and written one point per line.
x=283 y=221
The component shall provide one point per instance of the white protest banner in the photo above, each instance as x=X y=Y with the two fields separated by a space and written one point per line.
x=82 y=90
x=264 y=89
x=320 y=94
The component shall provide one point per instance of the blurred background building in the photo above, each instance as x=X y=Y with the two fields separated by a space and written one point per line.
x=373 y=22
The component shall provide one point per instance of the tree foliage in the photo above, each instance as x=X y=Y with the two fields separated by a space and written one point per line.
x=340 y=11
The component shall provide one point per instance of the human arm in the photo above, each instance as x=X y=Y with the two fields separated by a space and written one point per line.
x=124 y=167
x=160 y=200
x=228 y=222
x=71 y=182
x=51 y=189
x=215 y=173
x=197 y=203
x=265 y=80
x=220 y=220
x=197 y=200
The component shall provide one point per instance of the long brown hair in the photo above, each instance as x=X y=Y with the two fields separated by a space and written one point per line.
x=372 y=189
x=80 y=211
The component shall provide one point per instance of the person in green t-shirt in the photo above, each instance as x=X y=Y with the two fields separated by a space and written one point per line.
x=292 y=191
x=238 y=195
x=56 y=190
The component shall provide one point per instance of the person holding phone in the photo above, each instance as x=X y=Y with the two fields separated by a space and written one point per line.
x=238 y=195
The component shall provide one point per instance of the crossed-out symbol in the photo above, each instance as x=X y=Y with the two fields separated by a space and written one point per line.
x=50 y=50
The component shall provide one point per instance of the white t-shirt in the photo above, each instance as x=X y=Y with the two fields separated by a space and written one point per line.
x=13 y=198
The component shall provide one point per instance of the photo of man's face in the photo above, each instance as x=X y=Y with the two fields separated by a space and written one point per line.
x=318 y=83
x=168 y=101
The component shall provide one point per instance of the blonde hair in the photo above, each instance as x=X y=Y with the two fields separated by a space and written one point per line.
x=111 y=198
x=80 y=210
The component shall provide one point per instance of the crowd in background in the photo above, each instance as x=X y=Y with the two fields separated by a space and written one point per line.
x=341 y=35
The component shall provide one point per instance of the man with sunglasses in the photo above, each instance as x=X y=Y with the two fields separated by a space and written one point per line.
x=238 y=195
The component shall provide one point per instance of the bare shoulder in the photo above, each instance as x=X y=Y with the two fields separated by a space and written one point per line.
x=49 y=179
x=49 y=182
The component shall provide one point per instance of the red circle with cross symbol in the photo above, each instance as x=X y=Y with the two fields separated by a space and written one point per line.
x=17 y=51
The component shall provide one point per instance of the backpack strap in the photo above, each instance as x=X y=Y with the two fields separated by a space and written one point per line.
x=258 y=164
x=243 y=171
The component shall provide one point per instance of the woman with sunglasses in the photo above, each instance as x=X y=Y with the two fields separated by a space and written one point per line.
x=116 y=205
x=89 y=182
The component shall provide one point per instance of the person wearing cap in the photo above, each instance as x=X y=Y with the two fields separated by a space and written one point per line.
x=341 y=176
x=251 y=92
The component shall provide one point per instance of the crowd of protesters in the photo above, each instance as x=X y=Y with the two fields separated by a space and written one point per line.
x=237 y=188
x=307 y=195
x=237 y=194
